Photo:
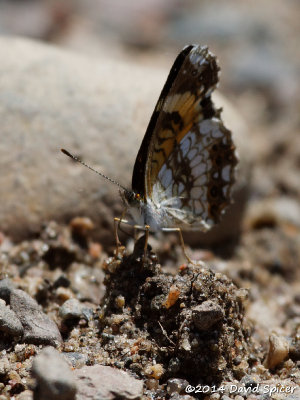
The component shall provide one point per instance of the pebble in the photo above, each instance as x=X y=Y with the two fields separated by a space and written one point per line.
x=278 y=351
x=87 y=282
x=24 y=351
x=152 y=384
x=26 y=395
x=207 y=314
x=101 y=382
x=38 y=327
x=9 y=322
x=77 y=360
x=4 y=366
x=81 y=225
x=249 y=381
x=174 y=365
x=156 y=371
x=176 y=385
x=282 y=210
x=6 y=287
x=213 y=396
x=63 y=293
x=71 y=309
x=54 y=379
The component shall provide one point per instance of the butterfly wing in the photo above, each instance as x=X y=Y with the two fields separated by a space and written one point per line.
x=187 y=158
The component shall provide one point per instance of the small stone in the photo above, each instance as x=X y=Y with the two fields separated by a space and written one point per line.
x=101 y=382
x=54 y=380
x=6 y=287
x=241 y=369
x=152 y=384
x=15 y=381
x=26 y=395
x=4 y=366
x=174 y=365
x=214 y=396
x=95 y=250
x=206 y=315
x=172 y=296
x=176 y=385
x=185 y=344
x=81 y=225
x=86 y=282
x=87 y=313
x=120 y=301
x=249 y=381
x=77 y=360
x=71 y=309
x=9 y=322
x=38 y=327
x=63 y=293
x=155 y=371
x=24 y=351
x=278 y=351
x=278 y=210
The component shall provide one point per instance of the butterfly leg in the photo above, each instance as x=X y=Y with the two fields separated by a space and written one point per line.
x=183 y=246
x=117 y=222
x=147 y=227
x=189 y=260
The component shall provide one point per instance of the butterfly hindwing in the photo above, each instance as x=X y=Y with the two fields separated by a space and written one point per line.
x=195 y=181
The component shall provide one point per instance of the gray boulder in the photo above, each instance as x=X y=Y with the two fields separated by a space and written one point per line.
x=96 y=108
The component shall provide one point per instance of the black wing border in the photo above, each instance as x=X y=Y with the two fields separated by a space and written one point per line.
x=139 y=169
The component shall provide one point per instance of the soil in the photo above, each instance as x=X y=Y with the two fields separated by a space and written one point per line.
x=174 y=325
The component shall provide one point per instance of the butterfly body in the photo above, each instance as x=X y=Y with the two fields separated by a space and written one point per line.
x=149 y=213
x=184 y=170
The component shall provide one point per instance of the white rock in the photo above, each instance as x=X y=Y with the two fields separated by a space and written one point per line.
x=96 y=108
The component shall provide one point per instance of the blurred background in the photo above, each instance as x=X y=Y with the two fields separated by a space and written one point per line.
x=258 y=46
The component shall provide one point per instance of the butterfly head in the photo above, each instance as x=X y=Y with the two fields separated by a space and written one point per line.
x=131 y=198
x=136 y=206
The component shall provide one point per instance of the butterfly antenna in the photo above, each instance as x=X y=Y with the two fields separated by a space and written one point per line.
x=92 y=169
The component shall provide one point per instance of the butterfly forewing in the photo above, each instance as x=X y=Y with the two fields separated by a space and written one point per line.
x=187 y=159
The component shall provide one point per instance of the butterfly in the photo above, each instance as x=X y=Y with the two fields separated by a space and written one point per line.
x=185 y=168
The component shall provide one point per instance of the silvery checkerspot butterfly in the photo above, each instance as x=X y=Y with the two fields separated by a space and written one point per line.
x=184 y=171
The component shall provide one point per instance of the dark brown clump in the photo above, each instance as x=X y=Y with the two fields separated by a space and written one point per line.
x=191 y=324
